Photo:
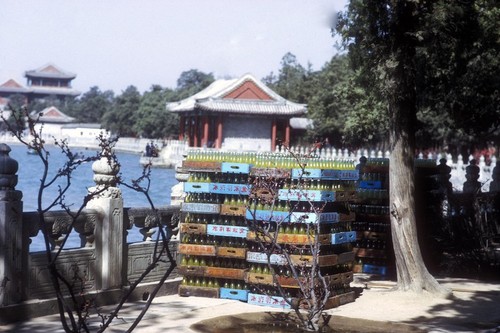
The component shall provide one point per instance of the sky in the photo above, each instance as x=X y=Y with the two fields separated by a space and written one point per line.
x=113 y=44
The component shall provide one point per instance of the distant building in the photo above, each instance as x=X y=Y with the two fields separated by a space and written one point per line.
x=50 y=120
x=236 y=114
x=45 y=81
x=52 y=123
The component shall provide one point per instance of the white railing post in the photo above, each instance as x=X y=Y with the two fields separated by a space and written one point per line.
x=14 y=242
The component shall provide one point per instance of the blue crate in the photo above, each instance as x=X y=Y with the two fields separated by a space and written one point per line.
x=370 y=184
x=306 y=173
x=227 y=230
x=343 y=237
x=306 y=195
x=268 y=215
x=374 y=269
x=230 y=167
x=195 y=187
x=226 y=188
x=236 y=294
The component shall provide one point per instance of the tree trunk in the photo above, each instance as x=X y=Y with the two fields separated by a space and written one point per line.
x=412 y=275
x=411 y=271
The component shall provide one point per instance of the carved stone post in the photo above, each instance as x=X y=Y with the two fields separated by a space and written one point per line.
x=110 y=237
x=472 y=185
x=14 y=246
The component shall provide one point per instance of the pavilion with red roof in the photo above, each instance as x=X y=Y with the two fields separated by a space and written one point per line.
x=236 y=114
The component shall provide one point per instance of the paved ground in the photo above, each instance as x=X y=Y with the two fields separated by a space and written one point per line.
x=474 y=307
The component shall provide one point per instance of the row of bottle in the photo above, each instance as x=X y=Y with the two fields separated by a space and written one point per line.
x=206 y=261
x=207 y=282
x=370 y=209
x=197 y=239
x=215 y=219
x=373 y=176
x=376 y=244
x=303 y=250
x=371 y=261
x=371 y=226
x=297 y=228
x=320 y=184
x=300 y=270
x=271 y=160
x=214 y=198
x=217 y=177
x=372 y=194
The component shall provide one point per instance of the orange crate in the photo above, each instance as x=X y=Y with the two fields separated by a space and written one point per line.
x=197 y=250
x=193 y=228
x=233 y=210
x=232 y=252
x=225 y=273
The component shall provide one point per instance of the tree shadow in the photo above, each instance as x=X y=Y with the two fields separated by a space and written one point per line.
x=469 y=311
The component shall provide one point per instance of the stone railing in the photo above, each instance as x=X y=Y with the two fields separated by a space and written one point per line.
x=103 y=266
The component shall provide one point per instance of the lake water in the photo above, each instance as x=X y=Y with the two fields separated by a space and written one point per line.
x=30 y=172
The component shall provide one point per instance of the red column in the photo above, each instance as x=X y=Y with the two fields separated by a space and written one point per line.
x=287 y=133
x=195 y=132
x=219 y=132
x=273 y=135
x=204 y=140
x=181 y=128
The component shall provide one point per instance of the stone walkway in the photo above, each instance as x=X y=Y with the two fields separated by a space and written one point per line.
x=474 y=307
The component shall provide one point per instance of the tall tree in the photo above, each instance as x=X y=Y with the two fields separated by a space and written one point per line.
x=192 y=81
x=123 y=114
x=153 y=121
x=92 y=105
x=382 y=37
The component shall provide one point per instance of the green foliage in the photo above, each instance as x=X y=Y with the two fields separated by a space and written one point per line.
x=123 y=114
x=92 y=105
x=190 y=82
x=454 y=64
x=153 y=121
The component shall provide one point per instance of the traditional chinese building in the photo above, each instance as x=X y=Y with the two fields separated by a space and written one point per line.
x=45 y=81
x=239 y=114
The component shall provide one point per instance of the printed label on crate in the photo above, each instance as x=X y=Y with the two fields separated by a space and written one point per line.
x=237 y=294
x=343 y=237
x=193 y=249
x=265 y=300
x=375 y=184
x=226 y=230
x=193 y=207
x=302 y=239
x=306 y=195
x=225 y=273
x=231 y=167
x=267 y=215
x=224 y=188
x=306 y=173
x=261 y=258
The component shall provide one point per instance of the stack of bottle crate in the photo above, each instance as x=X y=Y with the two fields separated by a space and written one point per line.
x=213 y=230
x=232 y=197
x=373 y=243
x=309 y=209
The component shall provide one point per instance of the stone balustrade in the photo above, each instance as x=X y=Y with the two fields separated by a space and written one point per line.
x=104 y=265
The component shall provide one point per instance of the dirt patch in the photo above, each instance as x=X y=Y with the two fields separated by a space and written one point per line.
x=277 y=322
